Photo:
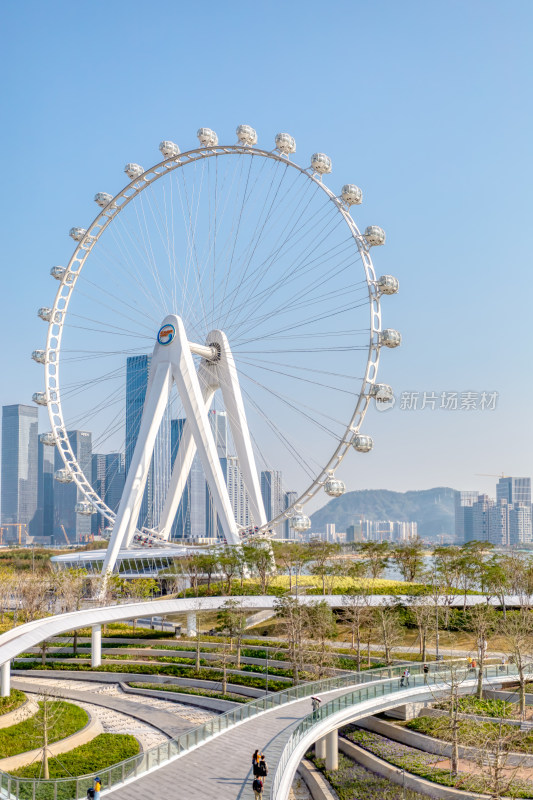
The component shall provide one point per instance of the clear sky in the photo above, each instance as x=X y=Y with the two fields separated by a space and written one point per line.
x=425 y=105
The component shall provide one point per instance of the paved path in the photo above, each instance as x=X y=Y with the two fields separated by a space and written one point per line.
x=165 y=721
x=222 y=767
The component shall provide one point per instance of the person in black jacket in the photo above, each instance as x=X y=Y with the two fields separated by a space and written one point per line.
x=263 y=769
x=257 y=786
x=255 y=763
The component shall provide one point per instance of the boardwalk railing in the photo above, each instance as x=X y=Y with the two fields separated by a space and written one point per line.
x=438 y=675
x=19 y=788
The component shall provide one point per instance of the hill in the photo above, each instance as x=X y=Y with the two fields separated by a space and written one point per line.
x=432 y=509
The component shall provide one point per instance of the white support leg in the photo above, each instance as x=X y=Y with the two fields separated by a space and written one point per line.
x=5 y=679
x=332 y=750
x=130 y=504
x=96 y=645
x=320 y=748
x=192 y=623
x=188 y=386
x=180 y=471
x=228 y=380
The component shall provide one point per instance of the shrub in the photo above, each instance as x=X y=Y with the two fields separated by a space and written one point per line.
x=101 y=752
x=167 y=687
x=15 y=700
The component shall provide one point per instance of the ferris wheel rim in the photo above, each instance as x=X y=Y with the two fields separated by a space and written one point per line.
x=85 y=246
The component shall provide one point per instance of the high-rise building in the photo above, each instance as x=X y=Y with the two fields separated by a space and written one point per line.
x=98 y=483
x=272 y=493
x=237 y=493
x=219 y=426
x=354 y=532
x=68 y=525
x=514 y=490
x=520 y=531
x=137 y=372
x=289 y=499
x=498 y=523
x=20 y=466
x=463 y=515
x=181 y=526
x=480 y=518
x=45 y=493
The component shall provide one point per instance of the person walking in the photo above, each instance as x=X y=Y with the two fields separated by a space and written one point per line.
x=263 y=769
x=255 y=763
x=425 y=670
x=97 y=788
x=316 y=702
x=257 y=786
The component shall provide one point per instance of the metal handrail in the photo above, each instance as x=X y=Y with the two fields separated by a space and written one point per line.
x=15 y=788
x=416 y=678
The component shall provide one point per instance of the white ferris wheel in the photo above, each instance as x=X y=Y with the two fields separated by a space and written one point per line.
x=247 y=286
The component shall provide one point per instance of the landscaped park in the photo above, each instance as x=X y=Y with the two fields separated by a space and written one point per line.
x=460 y=610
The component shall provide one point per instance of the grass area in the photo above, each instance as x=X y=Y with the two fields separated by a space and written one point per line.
x=90 y=758
x=422 y=764
x=64 y=720
x=352 y=781
x=473 y=732
x=15 y=700
x=486 y=708
x=176 y=670
x=120 y=631
x=167 y=687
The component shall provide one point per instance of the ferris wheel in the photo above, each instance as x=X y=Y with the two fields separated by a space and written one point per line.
x=246 y=285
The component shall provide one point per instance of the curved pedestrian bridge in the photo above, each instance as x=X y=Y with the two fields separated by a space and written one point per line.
x=214 y=759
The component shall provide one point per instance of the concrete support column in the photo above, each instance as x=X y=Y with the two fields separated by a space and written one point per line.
x=332 y=750
x=96 y=646
x=5 y=679
x=191 y=623
x=320 y=748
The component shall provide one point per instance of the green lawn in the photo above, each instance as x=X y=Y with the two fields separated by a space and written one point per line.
x=103 y=751
x=64 y=720
x=15 y=700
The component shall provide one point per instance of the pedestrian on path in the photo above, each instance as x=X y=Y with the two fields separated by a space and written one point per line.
x=257 y=786
x=255 y=763
x=425 y=670
x=263 y=769
x=97 y=788
x=316 y=702
x=404 y=681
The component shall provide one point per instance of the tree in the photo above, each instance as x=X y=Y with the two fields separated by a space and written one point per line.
x=409 y=557
x=232 y=617
x=258 y=556
x=320 y=626
x=321 y=554
x=302 y=557
x=7 y=586
x=229 y=561
x=284 y=552
x=390 y=629
x=517 y=630
x=377 y=555
x=357 y=614
x=424 y=615
x=447 y=561
x=482 y=621
x=208 y=566
x=291 y=614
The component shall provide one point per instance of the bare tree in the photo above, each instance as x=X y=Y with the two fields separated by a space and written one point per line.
x=320 y=627
x=517 y=631
x=357 y=614
x=424 y=615
x=482 y=621
x=291 y=613
x=232 y=617
x=390 y=629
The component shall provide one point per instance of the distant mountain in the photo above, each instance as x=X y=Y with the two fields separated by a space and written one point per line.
x=432 y=509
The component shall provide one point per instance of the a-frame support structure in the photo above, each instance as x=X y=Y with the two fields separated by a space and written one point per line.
x=172 y=361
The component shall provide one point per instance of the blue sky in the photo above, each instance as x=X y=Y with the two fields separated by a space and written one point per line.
x=425 y=105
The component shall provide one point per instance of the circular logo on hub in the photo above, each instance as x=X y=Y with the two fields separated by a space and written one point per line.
x=166 y=334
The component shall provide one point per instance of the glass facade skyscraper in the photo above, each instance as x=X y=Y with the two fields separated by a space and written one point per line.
x=45 y=494
x=137 y=372
x=514 y=490
x=67 y=523
x=272 y=493
x=20 y=466
x=108 y=478
x=181 y=527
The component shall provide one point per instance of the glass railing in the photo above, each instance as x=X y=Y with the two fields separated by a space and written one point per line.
x=15 y=788
x=439 y=674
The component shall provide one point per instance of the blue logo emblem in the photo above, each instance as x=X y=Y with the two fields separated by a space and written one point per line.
x=166 y=334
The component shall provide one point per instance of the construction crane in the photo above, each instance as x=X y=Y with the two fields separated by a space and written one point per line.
x=492 y=475
x=18 y=525
x=65 y=534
